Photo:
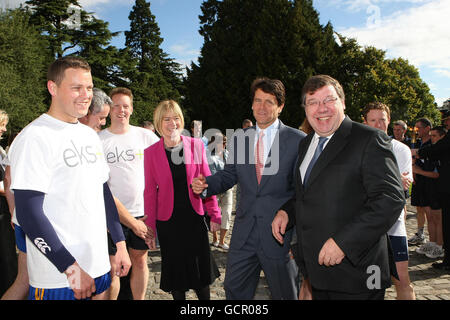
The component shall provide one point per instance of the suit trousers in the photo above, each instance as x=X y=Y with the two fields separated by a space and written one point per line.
x=244 y=267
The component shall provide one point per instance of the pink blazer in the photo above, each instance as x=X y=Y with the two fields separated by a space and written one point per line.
x=158 y=193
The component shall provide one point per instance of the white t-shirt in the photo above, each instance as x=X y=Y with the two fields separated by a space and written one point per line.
x=125 y=156
x=404 y=160
x=65 y=161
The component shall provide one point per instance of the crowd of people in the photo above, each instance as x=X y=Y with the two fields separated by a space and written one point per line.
x=93 y=200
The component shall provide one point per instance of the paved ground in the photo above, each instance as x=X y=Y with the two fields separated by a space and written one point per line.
x=429 y=284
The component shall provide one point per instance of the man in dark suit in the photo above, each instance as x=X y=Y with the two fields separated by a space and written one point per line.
x=348 y=195
x=262 y=159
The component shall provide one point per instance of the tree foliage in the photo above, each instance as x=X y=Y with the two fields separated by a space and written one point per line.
x=156 y=76
x=367 y=75
x=284 y=39
x=70 y=30
x=56 y=20
x=243 y=40
x=109 y=65
x=23 y=57
x=142 y=66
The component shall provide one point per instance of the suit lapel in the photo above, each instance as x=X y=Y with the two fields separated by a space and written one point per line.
x=332 y=149
x=250 y=160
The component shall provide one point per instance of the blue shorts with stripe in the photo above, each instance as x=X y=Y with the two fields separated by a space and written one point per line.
x=20 y=238
x=102 y=283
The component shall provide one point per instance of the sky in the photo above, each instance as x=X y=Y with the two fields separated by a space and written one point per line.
x=416 y=30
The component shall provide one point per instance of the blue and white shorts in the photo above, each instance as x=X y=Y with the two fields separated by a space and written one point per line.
x=20 y=238
x=102 y=284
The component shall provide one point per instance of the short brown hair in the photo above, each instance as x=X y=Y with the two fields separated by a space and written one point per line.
x=121 y=90
x=376 y=106
x=271 y=86
x=402 y=124
x=56 y=70
x=441 y=130
x=425 y=122
x=247 y=122
x=319 y=81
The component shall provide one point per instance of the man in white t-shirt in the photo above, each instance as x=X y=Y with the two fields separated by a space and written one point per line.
x=63 y=203
x=124 y=145
x=378 y=115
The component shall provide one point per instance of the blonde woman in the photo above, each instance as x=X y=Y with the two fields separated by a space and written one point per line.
x=174 y=211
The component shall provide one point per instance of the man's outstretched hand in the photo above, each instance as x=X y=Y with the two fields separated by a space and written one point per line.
x=199 y=184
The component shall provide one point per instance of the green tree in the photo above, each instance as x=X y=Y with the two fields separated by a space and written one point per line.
x=284 y=39
x=312 y=51
x=244 y=40
x=23 y=58
x=70 y=30
x=57 y=20
x=109 y=65
x=367 y=75
x=156 y=77
x=412 y=99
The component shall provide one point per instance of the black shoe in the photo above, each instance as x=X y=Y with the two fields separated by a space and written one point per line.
x=441 y=266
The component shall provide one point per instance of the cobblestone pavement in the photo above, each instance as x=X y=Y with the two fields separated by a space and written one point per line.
x=429 y=283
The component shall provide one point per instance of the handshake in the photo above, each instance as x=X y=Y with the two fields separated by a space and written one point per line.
x=199 y=184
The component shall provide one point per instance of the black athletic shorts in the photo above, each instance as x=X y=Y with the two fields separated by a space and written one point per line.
x=132 y=240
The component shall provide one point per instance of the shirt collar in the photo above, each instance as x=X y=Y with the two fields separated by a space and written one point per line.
x=274 y=126
x=316 y=137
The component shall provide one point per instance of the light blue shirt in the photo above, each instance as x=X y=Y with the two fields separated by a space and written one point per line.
x=269 y=136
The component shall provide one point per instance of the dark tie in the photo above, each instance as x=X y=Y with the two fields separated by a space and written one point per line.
x=316 y=155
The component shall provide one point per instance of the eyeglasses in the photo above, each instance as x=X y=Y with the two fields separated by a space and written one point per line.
x=328 y=102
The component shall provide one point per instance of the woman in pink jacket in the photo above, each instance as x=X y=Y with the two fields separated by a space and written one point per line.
x=174 y=212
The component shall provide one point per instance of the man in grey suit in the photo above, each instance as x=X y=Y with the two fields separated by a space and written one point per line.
x=261 y=159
